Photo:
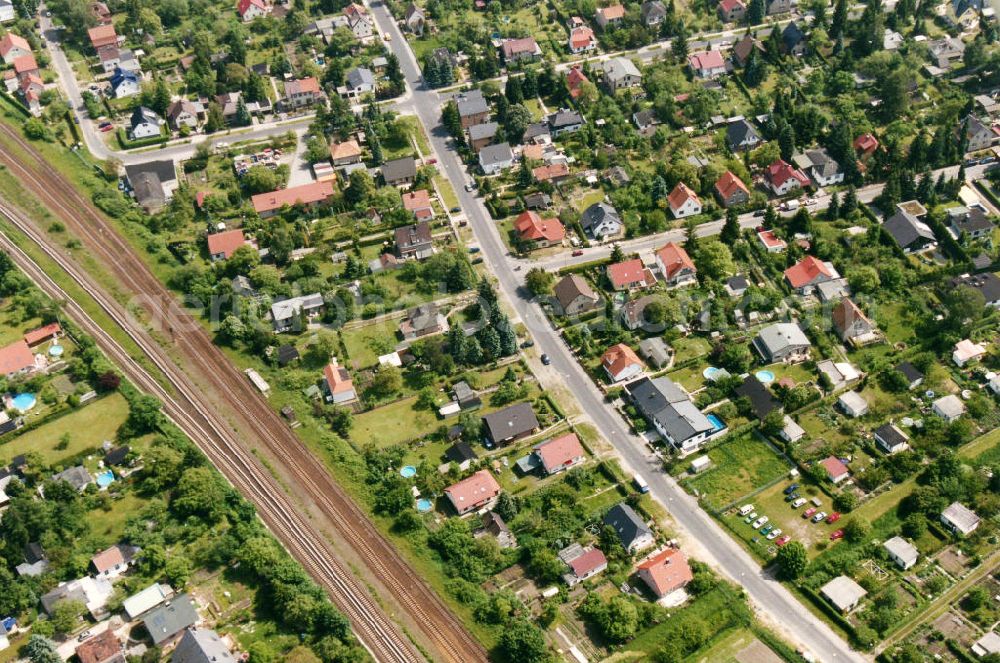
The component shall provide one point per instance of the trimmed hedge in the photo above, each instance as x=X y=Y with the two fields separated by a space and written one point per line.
x=128 y=144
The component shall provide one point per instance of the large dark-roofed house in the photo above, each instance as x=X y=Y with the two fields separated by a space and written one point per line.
x=988 y=285
x=671 y=412
x=510 y=424
x=761 y=401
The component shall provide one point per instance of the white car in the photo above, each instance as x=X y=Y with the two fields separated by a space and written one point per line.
x=760 y=522
x=799 y=502
x=774 y=534
x=819 y=516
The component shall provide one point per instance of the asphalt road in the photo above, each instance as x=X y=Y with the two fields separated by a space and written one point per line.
x=725 y=554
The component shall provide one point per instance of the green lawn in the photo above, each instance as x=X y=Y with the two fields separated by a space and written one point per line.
x=87 y=427
x=714 y=609
x=725 y=649
x=739 y=466
x=366 y=344
x=394 y=423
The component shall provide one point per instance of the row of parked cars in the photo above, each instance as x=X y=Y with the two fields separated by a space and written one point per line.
x=761 y=524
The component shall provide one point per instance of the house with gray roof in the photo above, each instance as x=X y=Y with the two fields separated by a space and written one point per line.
x=167 y=622
x=632 y=530
x=564 y=121
x=202 y=646
x=670 y=410
x=843 y=593
x=601 y=220
x=481 y=135
x=784 y=341
x=910 y=233
x=653 y=12
x=820 y=166
x=495 y=159
x=656 y=352
x=472 y=108
x=978 y=135
x=399 y=171
x=620 y=73
x=509 y=424
x=78 y=477
x=902 y=552
x=741 y=135
x=972 y=222
x=987 y=284
x=359 y=81
x=286 y=313
x=959 y=519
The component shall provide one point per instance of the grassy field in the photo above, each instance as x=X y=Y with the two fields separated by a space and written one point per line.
x=366 y=344
x=87 y=428
x=739 y=466
x=715 y=609
x=736 y=641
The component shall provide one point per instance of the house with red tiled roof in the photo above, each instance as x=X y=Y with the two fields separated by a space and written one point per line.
x=16 y=359
x=808 y=273
x=102 y=35
x=252 y=9
x=676 y=265
x=836 y=471
x=731 y=191
x=581 y=39
x=610 y=16
x=560 y=453
x=771 y=242
x=475 y=492
x=666 y=572
x=42 y=334
x=731 y=11
x=343 y=154
x=25 y=65
x=584 y=564
x=783 y=178
x=574 y=79
x=515 y=50
x=338 y=383
x=683 y=201
x=221 y=246
x=621 y=363
x=310 y=195
x=114 y=561
x=13 y=46
x=302 y=92
x=31 y=84
x=707 y=64
x=419 y=204
x=630 y=275
x=537 y=232
x=102 y=648
x=865 y=146
x=552 y=172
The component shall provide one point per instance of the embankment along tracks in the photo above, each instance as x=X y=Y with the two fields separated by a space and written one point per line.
x=216 y=406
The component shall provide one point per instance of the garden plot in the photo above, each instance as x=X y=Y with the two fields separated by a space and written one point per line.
x=740 y=466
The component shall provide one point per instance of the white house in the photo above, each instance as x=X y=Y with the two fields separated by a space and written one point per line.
x=959 y=519
x=853 y=404
x=145 y=123
x=683 y=201
x=966 y=351
x=948 y=407
x=7 y=13
x=495 y=159
x=890 y=439
x=902 y=552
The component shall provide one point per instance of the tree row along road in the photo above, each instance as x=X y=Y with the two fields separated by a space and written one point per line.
x=233 y=411
x=723 y=553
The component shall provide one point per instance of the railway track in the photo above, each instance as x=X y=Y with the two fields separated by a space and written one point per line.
x=254 y=420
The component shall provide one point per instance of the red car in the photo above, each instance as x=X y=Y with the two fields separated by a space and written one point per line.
x=577 y=253
x=808 y=513
x=107 y=128
x=833 y=517
x=783 y=540
x=839 y=534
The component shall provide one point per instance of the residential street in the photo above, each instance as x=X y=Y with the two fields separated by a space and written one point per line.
x=725 y=554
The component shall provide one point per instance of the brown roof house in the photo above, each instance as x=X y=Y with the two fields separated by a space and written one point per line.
x=103 y=648
x=574 y=295
x=414 y=241
x=423 y=320
x=114 y=561
x=666 y=572
x=475 y=492
x=852 y=325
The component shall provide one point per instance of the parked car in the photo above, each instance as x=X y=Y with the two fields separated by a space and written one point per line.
x=455 y=210
x=799 y=502
x=833 y=517
x=774 y=534
x=792 y=497
x=766 y=528
x=546 y=360
x=107 y=128
x=839 y=534
x=760 y=521
x=578 y=252
x=783 y=540
x=791 y=489
x=819 y=516
x=527 y=344
x=750 y=517
x=808 y=512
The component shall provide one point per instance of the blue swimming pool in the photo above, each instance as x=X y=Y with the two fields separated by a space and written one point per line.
x=765 y=376
x=23 y=402
x=56 y=351
x=717 y=424
x=424 y=505
x=105 y=478
x=709 y=372
x=408 y=471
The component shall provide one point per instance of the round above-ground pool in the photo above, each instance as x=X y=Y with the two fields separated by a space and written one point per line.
x=56 y=351
x=424 y=505
x=23 y=402
x=105 y=478
x=765 y=376
x=709 y=372
x=408 y=471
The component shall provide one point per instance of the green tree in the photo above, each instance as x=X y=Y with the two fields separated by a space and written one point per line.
x=755 y=12
x=200 y=492
x=522 y=641
x=41 y=650
x=387 y=382
x=144 y=415
x=857 y=530
x=792 y=560
x=845 y=501
x=539 y=281
x=731 y=229
x=66 y=615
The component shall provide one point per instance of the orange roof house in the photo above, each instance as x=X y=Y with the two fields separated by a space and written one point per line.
x=102 y=648
x=16 y=358
x=630 y=274
x=731 y=190
x=347 y=152
x=419 y=203
x=222 y=245
x=103 y=35
x=13 y=45
x=675 y=264
x=534 y=229
x=574 y=79
x=666 y=572
x=836 y=471
x=683 y=201
x=25 y=64
x=473 y=492
x=808 y=272
x=42 y=334
x=865 y=145
x=560 y=453
x=621 y=363
x=339 y=384
x=771 y=242
x=550 y=172
x=268 y=204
